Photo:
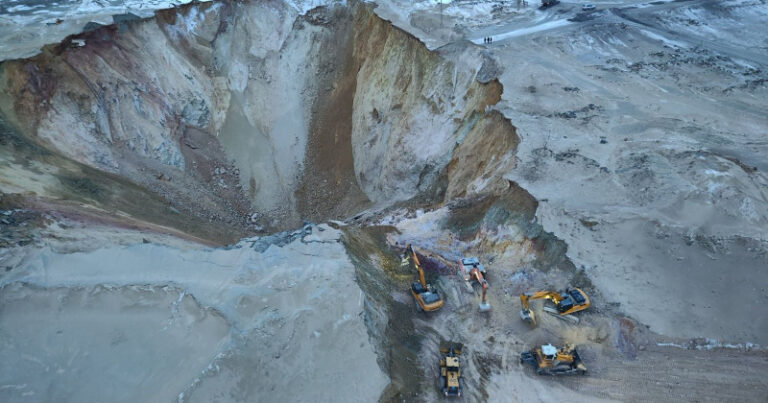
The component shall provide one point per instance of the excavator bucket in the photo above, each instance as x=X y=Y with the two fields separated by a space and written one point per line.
x=527 y=316
x=405 y=257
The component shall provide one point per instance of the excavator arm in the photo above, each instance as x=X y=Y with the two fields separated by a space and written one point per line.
x=550 y=295
x=526 y=313
x=567 y=302
x=478 y=276
x=427 y=297
x=410 y=254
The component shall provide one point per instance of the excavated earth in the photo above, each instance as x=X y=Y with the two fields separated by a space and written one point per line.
x=210 y=204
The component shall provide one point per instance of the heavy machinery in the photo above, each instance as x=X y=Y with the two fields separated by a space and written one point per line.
x=548 y=3
x=427 y=296
x=567 y=302
x=471 y=270
x=548 y=360
x=450 y=369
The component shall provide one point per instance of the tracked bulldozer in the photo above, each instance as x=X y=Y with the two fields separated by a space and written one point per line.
x=451 y=381
x=548 y=360
x=566 y=302
x=427 y=296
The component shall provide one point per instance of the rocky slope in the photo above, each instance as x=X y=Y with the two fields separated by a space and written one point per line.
x=214 y=121
x=207 y=123
x=641 y=128
x=244 y=114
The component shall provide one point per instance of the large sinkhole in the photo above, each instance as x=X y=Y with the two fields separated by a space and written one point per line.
x=211 y=204
x=224 y=119
x=221 y=121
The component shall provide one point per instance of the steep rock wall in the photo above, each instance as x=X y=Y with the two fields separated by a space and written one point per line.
x=249 y=113
x=411 y=109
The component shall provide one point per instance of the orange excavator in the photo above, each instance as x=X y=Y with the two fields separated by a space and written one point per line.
x=426 y=295
x=566 y=302
x=471 y=269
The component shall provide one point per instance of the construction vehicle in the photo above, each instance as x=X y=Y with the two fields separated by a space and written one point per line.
x=426 y=295
x=471 y=270
x=548 y=360
x=548 y=3
x=450 y=369
x=567 y=302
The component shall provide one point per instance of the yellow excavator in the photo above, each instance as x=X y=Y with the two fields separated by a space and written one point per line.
x=450 y=369
x=427 y=296
x=548 y=360
x=567 y=302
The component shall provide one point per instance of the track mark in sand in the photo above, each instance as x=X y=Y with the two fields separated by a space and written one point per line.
x=525 y=31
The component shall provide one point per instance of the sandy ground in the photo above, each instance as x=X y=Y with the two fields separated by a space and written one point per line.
x=641 y=128
x=28 y=25
x=156 y=323
x=73 y=339
x=626 y=360
x=641 y=132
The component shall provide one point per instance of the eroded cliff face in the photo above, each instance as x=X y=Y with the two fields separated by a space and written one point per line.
x=245 y=114
x=219 y=120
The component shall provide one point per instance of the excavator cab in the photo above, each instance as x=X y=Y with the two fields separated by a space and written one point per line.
x=572 y=297
x=467 y=264
x=450 y=369
x=427 y=296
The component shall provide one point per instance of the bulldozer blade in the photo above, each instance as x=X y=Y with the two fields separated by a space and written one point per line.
x=567 y=318
x=445 y=347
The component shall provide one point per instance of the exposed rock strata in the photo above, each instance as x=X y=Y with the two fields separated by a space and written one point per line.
x=248 y=113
